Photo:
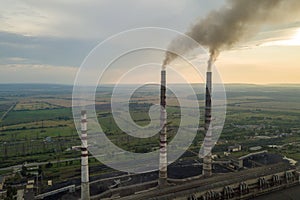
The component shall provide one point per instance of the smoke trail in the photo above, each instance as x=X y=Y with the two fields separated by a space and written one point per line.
x=223 y=28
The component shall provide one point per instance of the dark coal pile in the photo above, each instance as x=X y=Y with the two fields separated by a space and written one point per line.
x=184 y=169
x=263 y=159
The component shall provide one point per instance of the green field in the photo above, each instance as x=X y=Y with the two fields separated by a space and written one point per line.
x=40 y=126
x=34 y=105
x=17 y=117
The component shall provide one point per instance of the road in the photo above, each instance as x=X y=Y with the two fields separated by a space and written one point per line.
x=37 y=164
x=46 y=162
x=6 y=113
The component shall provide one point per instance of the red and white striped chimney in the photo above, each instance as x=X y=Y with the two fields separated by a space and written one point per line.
x=207 y=161
x=85 y=188
x=163 y=133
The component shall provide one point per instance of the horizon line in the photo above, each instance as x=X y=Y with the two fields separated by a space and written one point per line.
x=67 y=84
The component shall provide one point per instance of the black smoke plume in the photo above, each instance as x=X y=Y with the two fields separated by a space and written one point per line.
x=237 y=19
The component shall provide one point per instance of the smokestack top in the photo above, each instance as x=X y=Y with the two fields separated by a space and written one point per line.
x=212 y=59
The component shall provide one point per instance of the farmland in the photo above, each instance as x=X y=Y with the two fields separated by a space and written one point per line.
x=37 y=124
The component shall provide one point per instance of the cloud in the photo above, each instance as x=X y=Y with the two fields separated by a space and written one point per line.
x=280 y=35
x=94 y=18
x=29 y=73
x=13 y=60
x=44 y=41
x=44 y=50
x=263 y=64
x=62 y=32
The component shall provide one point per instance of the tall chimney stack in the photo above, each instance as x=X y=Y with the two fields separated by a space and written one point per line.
x=207 y=161
x=163 y=133
x=85 y=188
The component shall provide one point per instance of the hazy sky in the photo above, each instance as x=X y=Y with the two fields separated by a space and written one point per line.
x=46 y=41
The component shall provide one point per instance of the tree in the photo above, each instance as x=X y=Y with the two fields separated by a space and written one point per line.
x=24 y=171
x=49 y=165
x=11 y=192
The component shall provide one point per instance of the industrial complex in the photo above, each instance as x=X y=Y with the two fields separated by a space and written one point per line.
x=241 y=177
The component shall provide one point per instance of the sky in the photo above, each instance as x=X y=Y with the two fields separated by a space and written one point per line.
x=47 y=41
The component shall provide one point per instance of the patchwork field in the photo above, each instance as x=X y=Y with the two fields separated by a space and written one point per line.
x=34 y=105
x=36 y=123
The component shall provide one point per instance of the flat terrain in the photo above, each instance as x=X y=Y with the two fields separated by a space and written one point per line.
x=36 y=124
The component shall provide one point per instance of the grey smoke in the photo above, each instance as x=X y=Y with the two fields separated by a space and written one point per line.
x=237 y=19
